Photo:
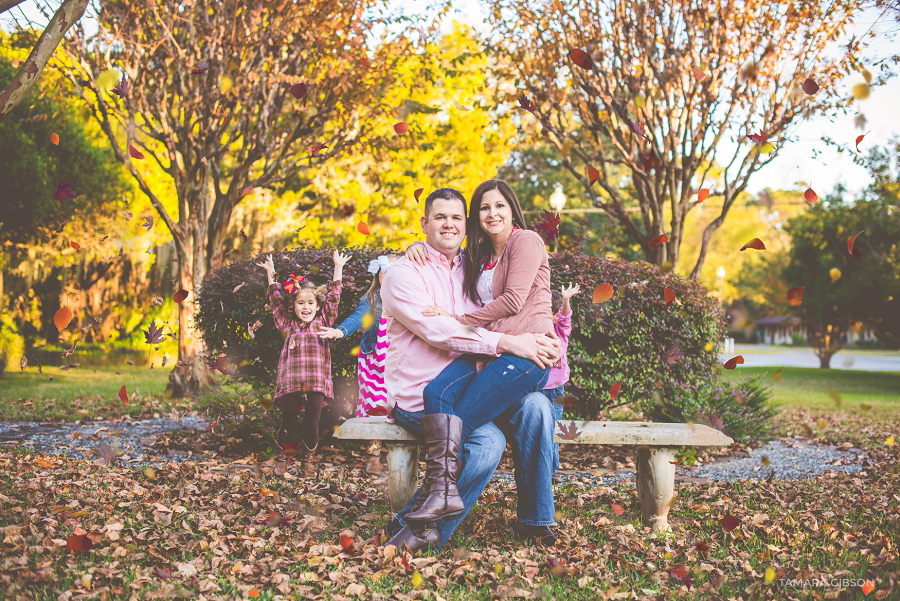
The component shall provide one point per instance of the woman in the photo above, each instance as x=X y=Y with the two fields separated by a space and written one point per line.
x=508 y=273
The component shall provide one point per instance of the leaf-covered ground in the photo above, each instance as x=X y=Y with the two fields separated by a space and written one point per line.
x=233 y=529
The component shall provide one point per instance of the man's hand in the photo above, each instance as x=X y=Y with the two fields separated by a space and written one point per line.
x=543 y=349
x=417 y=253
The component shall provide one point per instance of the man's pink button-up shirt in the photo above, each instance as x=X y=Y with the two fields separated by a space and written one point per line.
x=421 y=347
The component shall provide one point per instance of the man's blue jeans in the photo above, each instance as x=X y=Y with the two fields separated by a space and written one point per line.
x=529 y=424
x=480 y=397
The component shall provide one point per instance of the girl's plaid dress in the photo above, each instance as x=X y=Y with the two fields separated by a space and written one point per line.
x=305 y=362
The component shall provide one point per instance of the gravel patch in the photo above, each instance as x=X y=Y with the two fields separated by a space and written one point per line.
x=788 y=459
x=81 y=440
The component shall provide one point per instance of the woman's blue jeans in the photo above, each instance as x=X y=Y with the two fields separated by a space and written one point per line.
x=479 y=398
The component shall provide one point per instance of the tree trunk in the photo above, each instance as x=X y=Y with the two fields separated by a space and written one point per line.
x=825 y=359
x=67 y=13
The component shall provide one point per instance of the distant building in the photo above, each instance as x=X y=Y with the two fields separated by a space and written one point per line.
x=779 y=330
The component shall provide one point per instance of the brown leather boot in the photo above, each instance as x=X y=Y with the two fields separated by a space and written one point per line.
x=415 y=539
x=443 y=436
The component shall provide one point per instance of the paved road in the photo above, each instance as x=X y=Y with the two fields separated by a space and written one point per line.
x=807 y=358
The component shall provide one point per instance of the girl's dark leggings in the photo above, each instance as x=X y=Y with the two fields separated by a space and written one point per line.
x=311 y=402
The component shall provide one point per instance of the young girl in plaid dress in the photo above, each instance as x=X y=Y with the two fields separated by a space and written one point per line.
x=303 y=378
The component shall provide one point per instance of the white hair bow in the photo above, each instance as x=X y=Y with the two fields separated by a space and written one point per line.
x=382 y=263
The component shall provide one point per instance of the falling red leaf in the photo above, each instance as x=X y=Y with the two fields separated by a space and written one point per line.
x=253 y=594
x=602 y=293
x=79 y=542
x=180 y=295
x=701 y=546
x=54 y=139
x=203 y=66
x=679 y=573
x=314 y=149
x=655 y=242
x=698 y=73
x=123 y=395
x=755 y=244
x=614 y=391
x=401 y=128
x=69 y=350
x=810 y=86
x=247 y=191
x=850 y=242
x=404 y=559
x=153 y=335
x=62 y=191
x=569 y=431
x=526 y=104
x=702 y=194
x=121 y=88
x=549 y=227
x=62 y=317
x=557 y=566
x=729 y=522
x=362 y=228
x=617 y=509
x=671 y=354
x=859 y=139
x=759 y=138
x=668 y=295
x=581 y=58
x=734 y=361
x=74 y=245
x=810 y=196
x=638 y=129
x=347 y=544
x=298 y=90
x=364 y=62
x=418 y=193
x=592 y=174
x=795 y=296
x=134 y=152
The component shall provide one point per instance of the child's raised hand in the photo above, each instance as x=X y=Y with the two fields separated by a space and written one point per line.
x=329 y=333
x=340 y=259
x=570 y=291
x=268 y=265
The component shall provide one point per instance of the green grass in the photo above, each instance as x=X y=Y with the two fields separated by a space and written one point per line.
x=812 y=388
x=67 y=395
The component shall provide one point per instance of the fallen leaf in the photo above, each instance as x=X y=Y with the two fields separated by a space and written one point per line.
x=602 y=293
x=569 y=431
x=755 y=244
x=154 y=334
x=549 y=227
x=889 y=441
x=698 y=73
x=734 y=361
x=123 y=395
x=679 y=573
x=795 y=296
x=23 y=363
x=671 y=354
x=617 y=509
x=62 y=191
x=418 y=193
x=834 y=273
x=401 y=128
x=702 y=194
x=729 y=522
x=526 y=104
x=810 y=196
x=592 y=174
x=134 y=152
x=362 y=228
x=79 y=542
x=850 y=242
x=247 y=191
x=759 y=138
x=777 y=375
x=54 y=139
x=860 y=91
x=179 y=296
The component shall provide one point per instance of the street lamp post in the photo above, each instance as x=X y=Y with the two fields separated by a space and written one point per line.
x=557 y=202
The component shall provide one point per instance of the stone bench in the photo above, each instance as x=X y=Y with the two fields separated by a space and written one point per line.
x=657 y=444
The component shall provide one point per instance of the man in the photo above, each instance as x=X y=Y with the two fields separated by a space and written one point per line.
x=421 y=347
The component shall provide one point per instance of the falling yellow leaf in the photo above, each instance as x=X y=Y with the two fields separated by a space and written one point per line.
x=777 y=375
x=764 y=460
x=639 y=101
x=690 y=424
x=498 y=567
x=354 y=351
x=860 y=91
x=766 y=148
x=867 y=76
x=865 y=406
x=708 y=346
x=225 y=83
x=821 y=423
x=108 y=79
x=149 y=473
x=836 y=398
x=366 y=321
x=889 y=441
x=416 y=579
x=834 y=274
x=770 y=575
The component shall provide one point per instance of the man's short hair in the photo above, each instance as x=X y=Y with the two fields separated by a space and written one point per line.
x=446 y=194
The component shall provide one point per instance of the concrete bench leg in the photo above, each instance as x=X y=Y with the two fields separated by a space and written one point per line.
x=656 y=484
x=403 y=471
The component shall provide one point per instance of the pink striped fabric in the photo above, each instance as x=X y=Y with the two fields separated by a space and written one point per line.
x=370 y=375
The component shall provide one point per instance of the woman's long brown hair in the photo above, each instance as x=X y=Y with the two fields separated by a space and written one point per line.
x=478 y=244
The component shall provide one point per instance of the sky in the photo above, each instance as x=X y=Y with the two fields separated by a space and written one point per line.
x=807 y=159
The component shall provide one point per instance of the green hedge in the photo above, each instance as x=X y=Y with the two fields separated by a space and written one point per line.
x=620 y=340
